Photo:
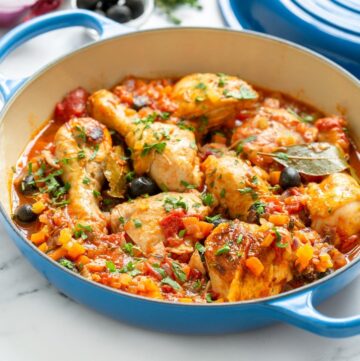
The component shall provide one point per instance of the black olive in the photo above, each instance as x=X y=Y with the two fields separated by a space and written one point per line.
x=140 y=102
x=142 y=185
x=28 y=185
x=87 y=4
x=289 y=177
x=136 y=7
x=24 y=213
x=107 y=4
x=119 y=13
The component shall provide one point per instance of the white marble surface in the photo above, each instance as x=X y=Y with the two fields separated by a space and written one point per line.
x=39 y=324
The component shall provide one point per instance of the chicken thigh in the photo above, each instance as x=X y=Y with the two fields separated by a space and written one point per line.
x=140 y=218
x=247 y=261
x=334 y=205
x=166 y=152
x=269 y=130
x=234 y=183
x=82 y=146
x=214 y=97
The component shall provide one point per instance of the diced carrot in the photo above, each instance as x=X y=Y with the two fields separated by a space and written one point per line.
x=279 y=219
x=43 y=247
x=38 y=207
x=65 y=236
x=268 y=240
x=274 y=177
x=58 y=253
x=196 y=228
x=76 y=250
x=254 y=265
x=95 y=266
x=304 y=255
x=83 y=260
x=38 y=237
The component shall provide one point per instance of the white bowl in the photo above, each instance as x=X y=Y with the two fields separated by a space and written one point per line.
x=135 y=23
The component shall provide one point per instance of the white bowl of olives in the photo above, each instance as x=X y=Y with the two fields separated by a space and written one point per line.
x=130 y=12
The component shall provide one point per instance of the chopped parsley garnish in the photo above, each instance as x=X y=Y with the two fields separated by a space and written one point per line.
x=201 y=86
x=222 y=79
x=80 y=132
x=80 y=231
x=259 y=207
x=207 y=199
x=208 y=298
x=67 y=264
x=182 y=125
x=164 y=115
x=223 y=250
x=159 y=270
x=244 y=93
x=278 y=239
x=156 y=147
x=182 y=233
x=96 y=193
x=137 y=223
x=172 y=203
x=170 y=282
x=110 y=266
x=96 y=150
x=201 y=249
x=121 y=220
x=30 y=168
x=187 y=185
x=178 y=271
x=213 y=218
x=81 y=154
x=86 y=180
x=239 y=239
x=222 y=193
x=240 y=146
x=128 y=248
x=250 y=191
x=129 y=176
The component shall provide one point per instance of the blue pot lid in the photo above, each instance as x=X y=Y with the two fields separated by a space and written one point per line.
x=331 y=27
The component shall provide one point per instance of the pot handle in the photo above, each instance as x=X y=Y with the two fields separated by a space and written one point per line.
x=57 y=20
x=299 y=311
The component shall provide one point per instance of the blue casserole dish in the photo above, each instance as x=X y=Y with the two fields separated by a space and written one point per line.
x=260 y=59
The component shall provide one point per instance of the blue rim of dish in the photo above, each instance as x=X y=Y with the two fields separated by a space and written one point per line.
x=264 y=300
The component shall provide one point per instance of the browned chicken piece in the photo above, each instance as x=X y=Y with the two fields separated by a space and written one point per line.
x=269 y=130
x=235 y=184
x=334 y=205
x=81 y=147
x=166 y=152
x=247 y=261
x=240 y=268
x=333 y=130
x=214 y=98
x=140 y=218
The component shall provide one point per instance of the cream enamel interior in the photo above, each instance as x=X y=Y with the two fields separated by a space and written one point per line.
x=171 y=52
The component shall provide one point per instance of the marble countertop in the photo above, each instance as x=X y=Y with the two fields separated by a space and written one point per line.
x=39 y=324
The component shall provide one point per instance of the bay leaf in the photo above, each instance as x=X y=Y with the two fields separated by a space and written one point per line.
x=316 y=159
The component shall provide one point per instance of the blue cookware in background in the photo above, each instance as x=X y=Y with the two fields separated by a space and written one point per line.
x=331 y=27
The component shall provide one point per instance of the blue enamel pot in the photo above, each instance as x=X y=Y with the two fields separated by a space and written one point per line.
x=260 y=59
